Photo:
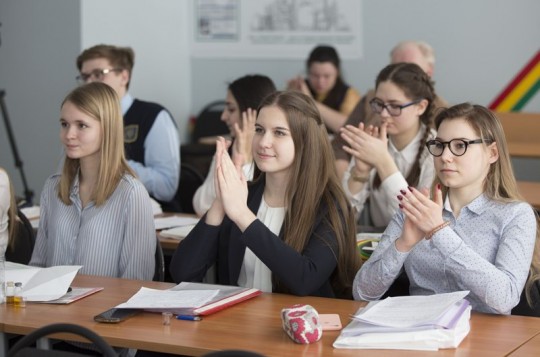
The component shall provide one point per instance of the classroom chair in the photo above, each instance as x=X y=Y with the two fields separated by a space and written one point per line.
x=190 y=181
x=23 y=244
x=159 y=274
x=208 y=123
x=24 y=347
x=523 y=308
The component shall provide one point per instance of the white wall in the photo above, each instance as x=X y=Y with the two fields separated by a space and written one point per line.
x=40 y=40
x=157 y=32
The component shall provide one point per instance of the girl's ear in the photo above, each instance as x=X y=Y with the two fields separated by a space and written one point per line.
x=422 y=106
x=493 y=152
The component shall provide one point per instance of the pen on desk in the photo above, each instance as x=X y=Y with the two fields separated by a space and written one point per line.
x=188 y=318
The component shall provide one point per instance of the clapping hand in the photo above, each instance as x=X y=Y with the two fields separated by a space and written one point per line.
x=368 y=144
x=231 y=184
x=243 y=137
x=422 y=215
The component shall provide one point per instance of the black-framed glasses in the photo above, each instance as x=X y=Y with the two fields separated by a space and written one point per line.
x=96 y=74
x=394 y=110
x=458 y=147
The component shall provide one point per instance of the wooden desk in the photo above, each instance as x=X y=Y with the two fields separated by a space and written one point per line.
x=168 y=244
x=252 y=325
x=531 y=192
x=522 y=131
x=531 y=348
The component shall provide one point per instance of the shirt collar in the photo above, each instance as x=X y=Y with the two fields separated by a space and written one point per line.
x=410 y=151
x=477 y=206
x=126 y=102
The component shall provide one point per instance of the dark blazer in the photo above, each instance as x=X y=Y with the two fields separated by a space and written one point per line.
x=306 y=273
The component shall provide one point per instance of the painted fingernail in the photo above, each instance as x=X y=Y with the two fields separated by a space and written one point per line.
x=400 y=206
x=438 y=186
x=403 y=192
x=400 y=197
x=410 y=188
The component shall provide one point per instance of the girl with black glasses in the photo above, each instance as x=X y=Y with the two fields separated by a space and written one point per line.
x=475 y=233
x=393 y=156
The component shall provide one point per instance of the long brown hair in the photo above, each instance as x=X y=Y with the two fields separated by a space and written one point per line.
x=416 y=85
x=500 y=183
x=313 y=185
x=99 y=101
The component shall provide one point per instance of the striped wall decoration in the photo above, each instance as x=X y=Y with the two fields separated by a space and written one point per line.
x=521 y=89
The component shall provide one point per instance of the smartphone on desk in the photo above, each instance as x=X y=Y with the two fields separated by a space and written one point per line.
x=330 y=322
x=115 y=315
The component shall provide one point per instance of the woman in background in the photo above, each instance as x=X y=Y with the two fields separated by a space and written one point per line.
x=476 y=233
x=334 y=98
x=243 y=97
x=291 y=230
x=96 y=213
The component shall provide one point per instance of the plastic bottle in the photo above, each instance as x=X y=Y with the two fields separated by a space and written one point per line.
x=18 y=299
x=10 y=293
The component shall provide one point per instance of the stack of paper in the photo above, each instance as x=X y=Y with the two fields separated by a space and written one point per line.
x=42 y=284
x=409 y=322
x=190 y=298
x=178 y=233
x=174 y=221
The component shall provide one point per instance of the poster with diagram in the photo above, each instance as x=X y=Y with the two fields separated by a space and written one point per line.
x=275 y=28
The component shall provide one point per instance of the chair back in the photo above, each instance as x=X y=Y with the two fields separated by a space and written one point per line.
x=209 y=123
x=523 y=308
x=190 y=181
x=24 y=347
x=159 y=274
x=20 y=250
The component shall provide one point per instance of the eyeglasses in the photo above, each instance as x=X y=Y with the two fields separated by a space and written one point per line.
x=394 y=110
x=458 y=147
x=97 y=74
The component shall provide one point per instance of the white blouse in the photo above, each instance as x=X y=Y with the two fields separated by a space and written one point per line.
x=254 y=273
x=5 y=199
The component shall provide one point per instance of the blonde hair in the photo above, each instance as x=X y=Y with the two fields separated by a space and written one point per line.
x=101 y=102
x=500 y=183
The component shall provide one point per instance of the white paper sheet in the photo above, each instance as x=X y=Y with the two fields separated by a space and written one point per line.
x=409 y=311
x=42 y=284
x=178 y=233
x=147 y=298
x=174 y=221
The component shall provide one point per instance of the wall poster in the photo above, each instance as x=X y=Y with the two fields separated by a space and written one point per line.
x=275 y=28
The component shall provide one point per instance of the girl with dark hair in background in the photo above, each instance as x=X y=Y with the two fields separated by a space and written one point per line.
x=334 y=98
x=243 y=97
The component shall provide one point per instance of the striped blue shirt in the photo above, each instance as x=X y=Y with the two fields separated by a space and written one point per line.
x=487 y=250
x=116 y=239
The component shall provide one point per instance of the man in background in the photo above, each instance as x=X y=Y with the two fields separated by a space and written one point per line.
x=150 y=133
